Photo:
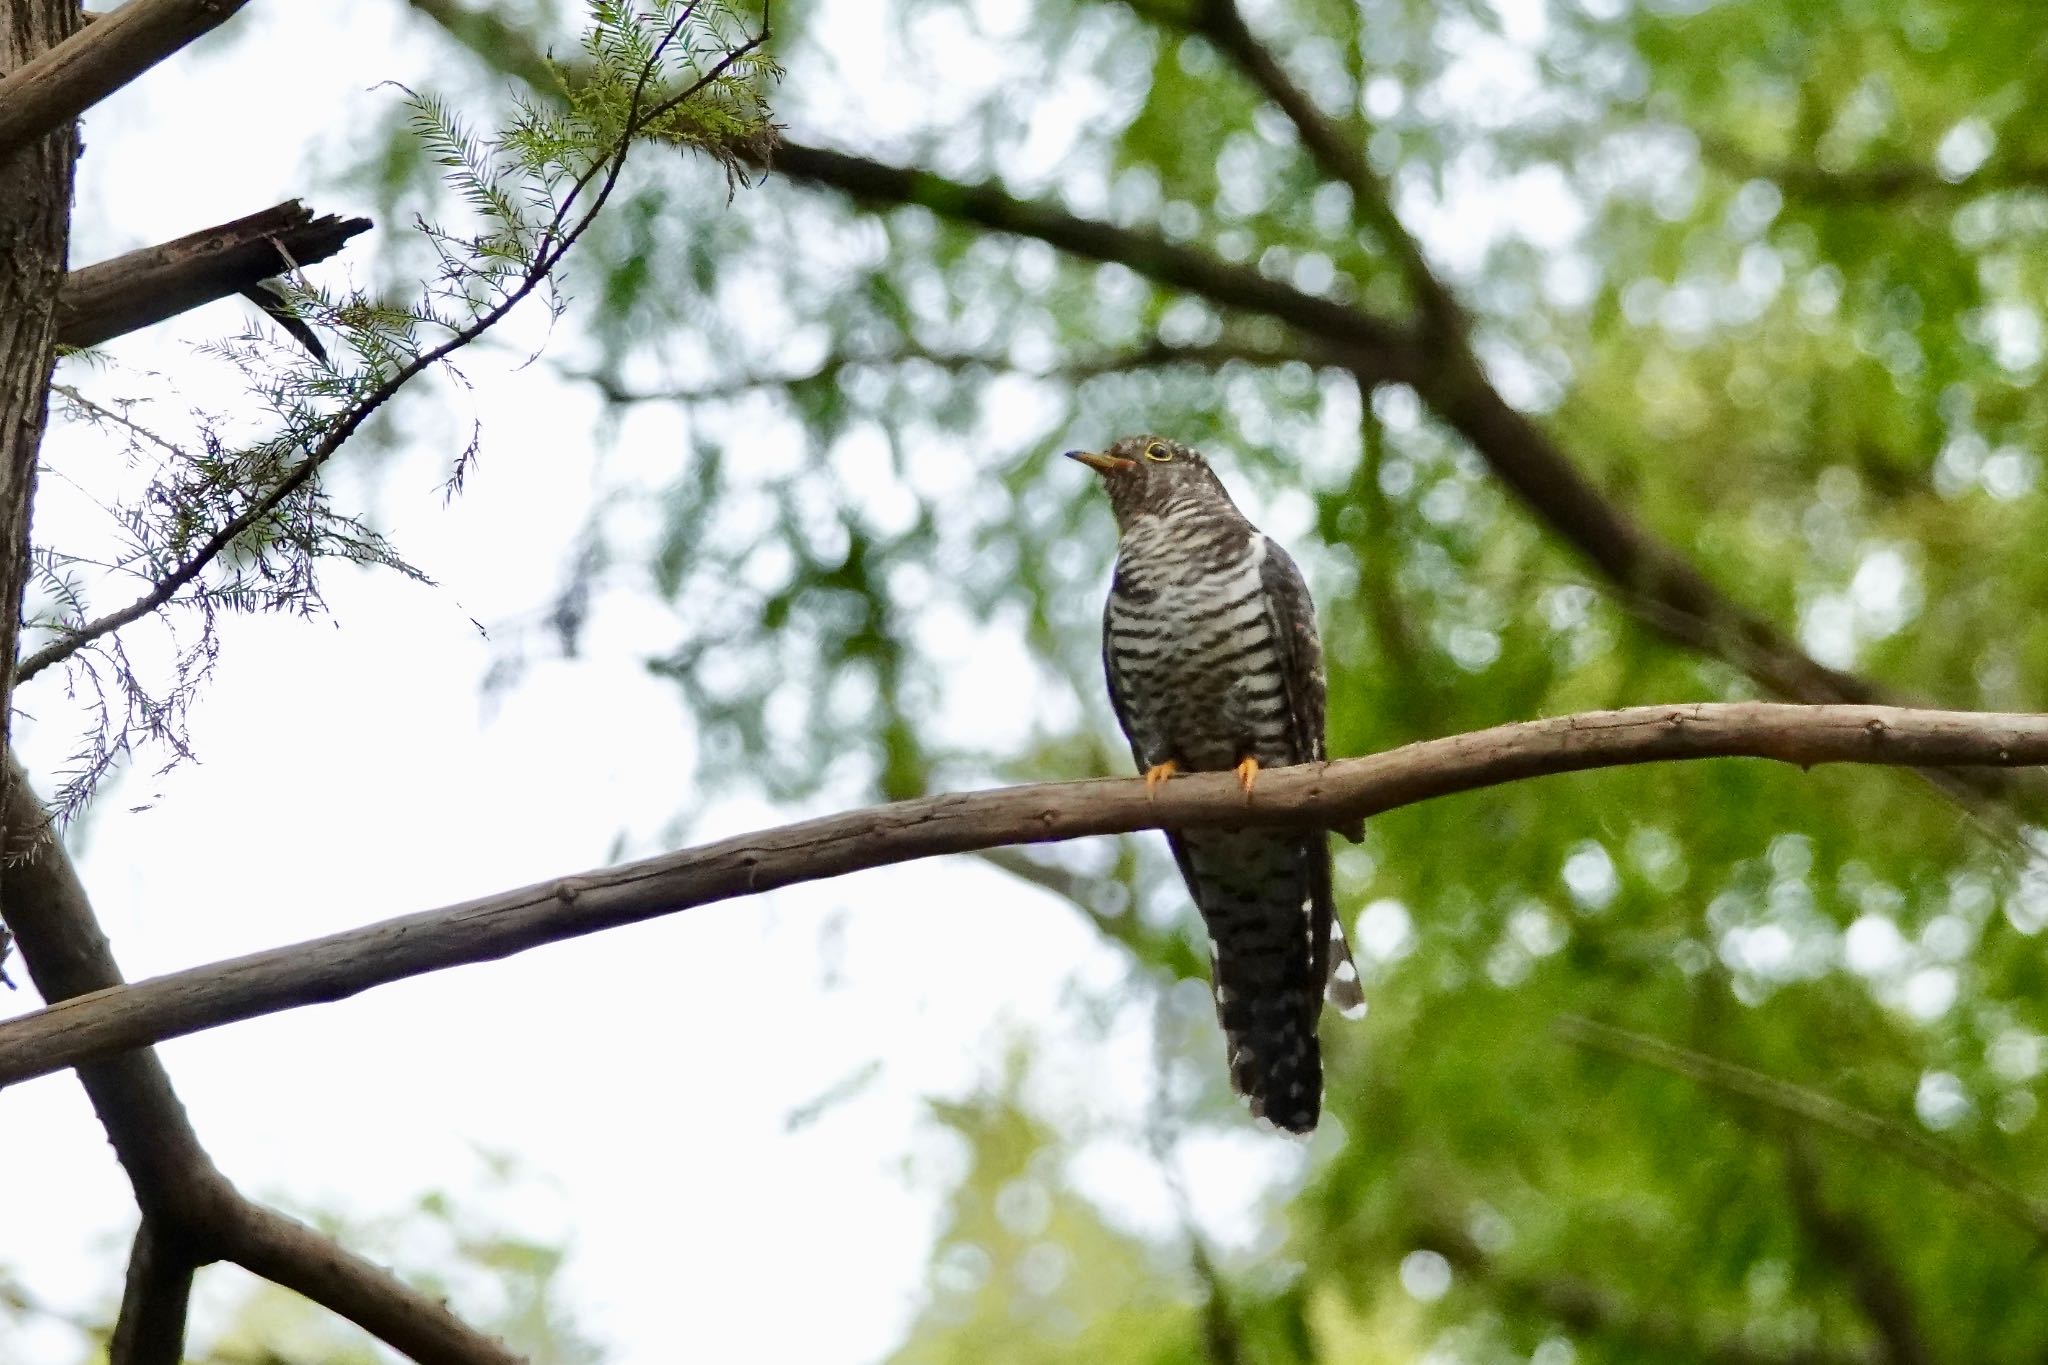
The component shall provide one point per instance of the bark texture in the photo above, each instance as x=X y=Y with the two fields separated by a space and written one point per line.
x=136 y=290
x=35 y=225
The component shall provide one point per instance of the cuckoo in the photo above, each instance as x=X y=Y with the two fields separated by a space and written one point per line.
x=1209 y=642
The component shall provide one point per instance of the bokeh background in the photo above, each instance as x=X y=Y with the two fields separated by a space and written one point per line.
x=775 y=526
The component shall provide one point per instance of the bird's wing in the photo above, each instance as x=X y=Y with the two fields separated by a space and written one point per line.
x=1291 y=619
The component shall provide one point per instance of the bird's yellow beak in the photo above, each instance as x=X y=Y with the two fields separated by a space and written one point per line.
x=1101 y=464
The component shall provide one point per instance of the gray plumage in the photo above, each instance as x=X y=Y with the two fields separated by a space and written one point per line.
x=1210 y=647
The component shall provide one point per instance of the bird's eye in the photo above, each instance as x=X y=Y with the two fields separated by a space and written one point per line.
x=1158 y=452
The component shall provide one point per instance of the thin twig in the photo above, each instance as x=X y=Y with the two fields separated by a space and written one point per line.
x=1824 y=1111
x=555 y=243
x=1156 y=355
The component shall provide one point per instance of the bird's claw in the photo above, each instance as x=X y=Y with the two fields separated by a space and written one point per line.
x=1158 y=773
x=1247 y=774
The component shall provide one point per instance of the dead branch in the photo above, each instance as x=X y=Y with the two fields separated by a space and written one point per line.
x=141 y=288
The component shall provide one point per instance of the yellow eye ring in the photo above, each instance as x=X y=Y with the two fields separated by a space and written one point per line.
x=1158 y=452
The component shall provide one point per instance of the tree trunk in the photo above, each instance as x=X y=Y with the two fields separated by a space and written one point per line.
x=35 y=229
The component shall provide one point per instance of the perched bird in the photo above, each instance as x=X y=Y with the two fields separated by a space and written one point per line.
x=1209 y=641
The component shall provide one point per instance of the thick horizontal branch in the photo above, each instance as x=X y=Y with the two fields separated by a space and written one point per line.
x=1333 y=794
x=99 y=59
x=144 y=287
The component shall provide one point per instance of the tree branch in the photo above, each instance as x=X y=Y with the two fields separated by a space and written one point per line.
x=192 y=1210
x=144 y=287
x=1853 y=1251
x=1155 y=355
x=151 y=1327
x=1222 y=1334
x=1340 y=157
x=509 y=49
x=1811 y=1106
x=1662 y=587
x=1591 y=1310
x=1332 y=795
x=1877 y=185
x=1367 y=344
x=35 y=236
x=287 y=1252
x=99 y=59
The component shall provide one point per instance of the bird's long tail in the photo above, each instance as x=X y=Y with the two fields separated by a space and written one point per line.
x=1276 y=1060
x=1251 y=891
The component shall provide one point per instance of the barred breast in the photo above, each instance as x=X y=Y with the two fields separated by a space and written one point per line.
x=1189 y=633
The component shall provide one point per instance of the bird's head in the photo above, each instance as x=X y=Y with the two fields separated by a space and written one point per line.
x=1148 y=475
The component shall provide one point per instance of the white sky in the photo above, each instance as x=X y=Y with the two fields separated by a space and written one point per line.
x=351 y=773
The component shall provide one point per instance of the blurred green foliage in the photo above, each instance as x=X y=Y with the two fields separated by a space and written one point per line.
x=1771 y=274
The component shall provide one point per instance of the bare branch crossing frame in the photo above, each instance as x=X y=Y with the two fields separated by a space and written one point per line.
x=345 y=964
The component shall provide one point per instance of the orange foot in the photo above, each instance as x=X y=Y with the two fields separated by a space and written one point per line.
x=1247 y=773
x=1158 y=773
